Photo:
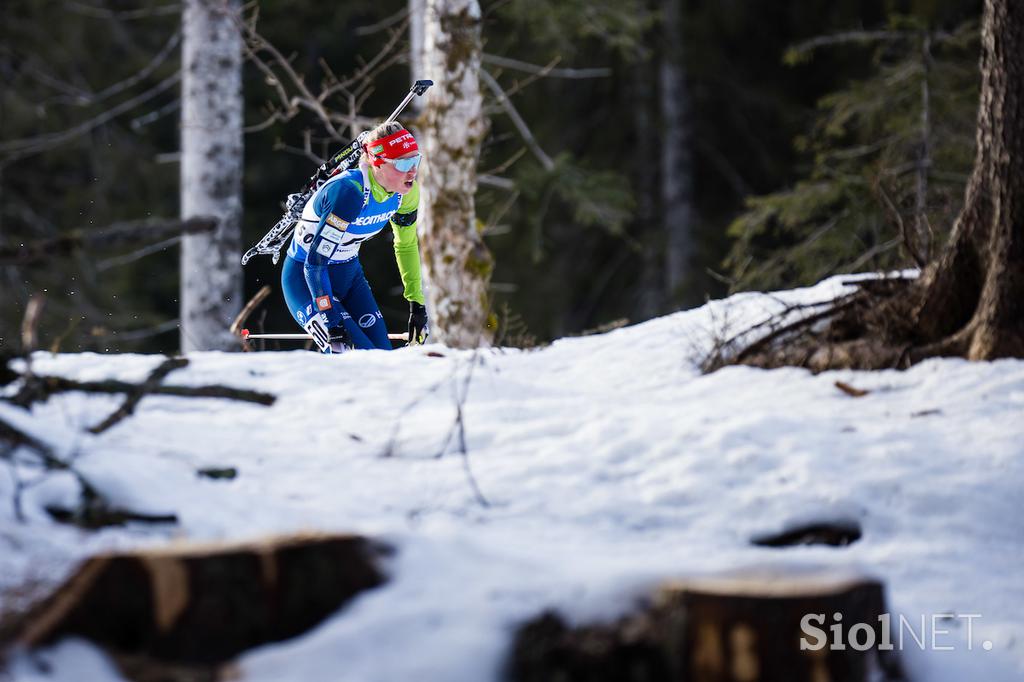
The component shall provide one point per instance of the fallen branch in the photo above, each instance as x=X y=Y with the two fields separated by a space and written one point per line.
x=40 y=388
x=15 y=437
x=851 y=391
x=134 y=396
x=459 y=429
x=793 y=326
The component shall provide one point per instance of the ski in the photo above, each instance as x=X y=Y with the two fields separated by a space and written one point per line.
x=348 y=157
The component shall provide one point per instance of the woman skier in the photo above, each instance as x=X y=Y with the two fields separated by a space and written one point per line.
x=322 y=278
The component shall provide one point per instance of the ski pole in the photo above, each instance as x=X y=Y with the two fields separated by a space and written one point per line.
x=304 y=337
x=418 y=88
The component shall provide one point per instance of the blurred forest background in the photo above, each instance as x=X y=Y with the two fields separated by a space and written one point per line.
x=694 y=148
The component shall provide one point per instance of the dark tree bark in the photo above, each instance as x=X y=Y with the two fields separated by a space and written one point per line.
x=677 y=211
x=974 y=295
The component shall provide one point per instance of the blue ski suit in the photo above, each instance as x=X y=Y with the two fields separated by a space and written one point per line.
x=322 y=273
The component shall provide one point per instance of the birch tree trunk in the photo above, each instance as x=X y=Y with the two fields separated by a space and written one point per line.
x=211 y=172
x=457 y=263
x=677 y=211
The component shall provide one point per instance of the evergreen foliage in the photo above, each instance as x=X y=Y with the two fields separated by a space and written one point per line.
x=886 y=153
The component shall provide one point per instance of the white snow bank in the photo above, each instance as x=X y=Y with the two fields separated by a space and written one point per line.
x=607 y=464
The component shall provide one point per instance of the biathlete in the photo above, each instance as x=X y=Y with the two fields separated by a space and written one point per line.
x=322 y=279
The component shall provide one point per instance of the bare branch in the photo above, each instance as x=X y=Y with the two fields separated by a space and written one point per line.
x=115 y=235
x=505 y=165
x=495 y=181
x=144 y=333
x=15 y=437
x=133 y=397
x=922 y=226
x=30 y=323
x=491 y=227
x=876 y=250
x=140 y=76
x=395 y=18
x=847 y=37
x=305 y=151
x=505 y=62
x=517 y=120
x=137 y=255
x=249 y=307
x=458 y=431
x=255 y=43
x=363 y=78
x=126 y=15
x=16 y=149
x=155 y=115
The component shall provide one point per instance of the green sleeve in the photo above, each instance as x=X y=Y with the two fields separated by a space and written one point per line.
x=407 y=247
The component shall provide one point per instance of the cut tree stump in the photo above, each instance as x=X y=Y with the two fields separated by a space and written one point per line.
x=741 y=627
x=194 y=603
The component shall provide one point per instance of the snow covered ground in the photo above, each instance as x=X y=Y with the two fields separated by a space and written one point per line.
x=605 y=464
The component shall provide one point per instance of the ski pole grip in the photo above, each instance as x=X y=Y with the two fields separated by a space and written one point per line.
x=418 y=88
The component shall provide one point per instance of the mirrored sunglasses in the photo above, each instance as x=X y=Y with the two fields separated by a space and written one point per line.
x=403 y=165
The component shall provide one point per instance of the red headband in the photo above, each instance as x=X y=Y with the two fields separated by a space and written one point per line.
x=391 y=147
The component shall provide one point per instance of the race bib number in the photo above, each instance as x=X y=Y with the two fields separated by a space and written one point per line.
x=316 y=328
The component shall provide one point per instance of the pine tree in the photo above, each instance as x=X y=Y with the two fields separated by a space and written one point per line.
x=890 y=155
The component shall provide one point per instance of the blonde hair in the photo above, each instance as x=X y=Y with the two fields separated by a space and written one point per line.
x=383 y=130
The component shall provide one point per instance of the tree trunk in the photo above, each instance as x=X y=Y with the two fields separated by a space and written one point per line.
x=211 y=172
x=677 y=212
x=645 y=106
x=457 y=263
x=974 y=294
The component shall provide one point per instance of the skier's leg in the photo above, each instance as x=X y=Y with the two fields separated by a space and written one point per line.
x=300 y=301
x=359 y=301
x=296 y=291
x=345 y=279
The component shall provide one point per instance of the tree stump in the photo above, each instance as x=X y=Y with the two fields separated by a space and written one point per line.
x=748 y=627
x=206 y=603
x=742 y=627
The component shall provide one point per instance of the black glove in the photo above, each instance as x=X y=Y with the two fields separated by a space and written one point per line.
x=340 y=340
x=418 y=330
